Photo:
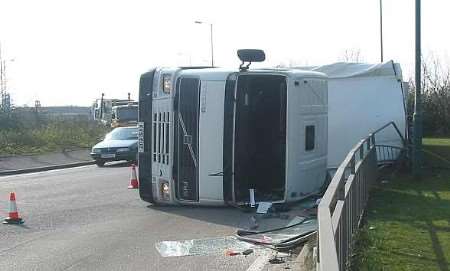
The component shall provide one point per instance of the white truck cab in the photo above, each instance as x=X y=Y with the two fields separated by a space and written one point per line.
x=208 y=135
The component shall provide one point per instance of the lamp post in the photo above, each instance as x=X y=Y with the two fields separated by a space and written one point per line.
x=211 y=39
x=101 y=106
x=417 y=117
x=381 y=30
x=5 y=102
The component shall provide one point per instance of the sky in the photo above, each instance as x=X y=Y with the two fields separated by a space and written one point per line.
x=65 y=52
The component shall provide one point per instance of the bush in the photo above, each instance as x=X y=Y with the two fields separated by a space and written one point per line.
x=23 y=133
x=435 y=99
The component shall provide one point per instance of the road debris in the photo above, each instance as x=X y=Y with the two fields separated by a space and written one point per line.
x=277 y=260
x=253 y=223
x=263 y=207
x=252 y=197
x=201 y=247
x=294 y=233
x=230 y=252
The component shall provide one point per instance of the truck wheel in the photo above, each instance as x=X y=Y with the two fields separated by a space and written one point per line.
x=99 y=163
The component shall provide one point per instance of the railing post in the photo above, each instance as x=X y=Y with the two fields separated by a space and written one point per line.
x=341 y=189
x=352 y=165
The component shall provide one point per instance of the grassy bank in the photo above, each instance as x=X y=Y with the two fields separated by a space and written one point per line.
x=408 y=220
x=49 y=135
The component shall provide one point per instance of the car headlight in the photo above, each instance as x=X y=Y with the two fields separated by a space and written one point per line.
x=95 y=150
x=123 y=149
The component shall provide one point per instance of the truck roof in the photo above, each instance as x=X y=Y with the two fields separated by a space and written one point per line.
x=223 y=73
x=346 y=70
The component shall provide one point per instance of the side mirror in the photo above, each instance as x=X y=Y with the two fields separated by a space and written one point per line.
x=250 y=55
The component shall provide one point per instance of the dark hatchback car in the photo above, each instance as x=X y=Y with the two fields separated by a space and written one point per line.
x=119 y=144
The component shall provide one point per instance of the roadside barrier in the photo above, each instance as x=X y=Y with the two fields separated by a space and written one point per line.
x=133 y=181
x=341 y=209
x=13 y=214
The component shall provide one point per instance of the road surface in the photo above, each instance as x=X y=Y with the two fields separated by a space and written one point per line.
x=86 y=219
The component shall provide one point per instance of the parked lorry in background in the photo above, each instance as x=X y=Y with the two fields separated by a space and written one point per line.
x=124 y=115
x=102 y=110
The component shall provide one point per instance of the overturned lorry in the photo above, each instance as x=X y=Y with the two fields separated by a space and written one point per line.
x=209 y=135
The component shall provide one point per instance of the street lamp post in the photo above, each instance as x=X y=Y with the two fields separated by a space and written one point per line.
x=5 y=102
x=381 y=30
x=417 y=117
x=2 y=77
x=211 y=39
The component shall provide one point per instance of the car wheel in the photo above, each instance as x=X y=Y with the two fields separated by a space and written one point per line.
x=99 y=163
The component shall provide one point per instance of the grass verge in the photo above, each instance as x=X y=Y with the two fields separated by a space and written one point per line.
x=407 y=225
x=52 y=135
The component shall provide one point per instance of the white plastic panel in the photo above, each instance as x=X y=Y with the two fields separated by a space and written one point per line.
x=211 y=141
x=307 y=106
x=359 y=106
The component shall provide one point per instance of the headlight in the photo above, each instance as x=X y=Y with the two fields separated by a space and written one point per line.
x=165 y=191
x=122 y=149
x=166 y=83
x=95 y=150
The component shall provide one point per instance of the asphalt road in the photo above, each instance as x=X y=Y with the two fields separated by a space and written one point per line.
x=86 y=219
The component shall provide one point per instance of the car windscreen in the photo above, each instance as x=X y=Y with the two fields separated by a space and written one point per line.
x=122 y=134
x=127 y=113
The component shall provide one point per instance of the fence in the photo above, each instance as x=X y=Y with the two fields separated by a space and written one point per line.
x=341 y=208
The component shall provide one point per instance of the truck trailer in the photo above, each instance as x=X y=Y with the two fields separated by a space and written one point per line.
x=207 y=136
x=362 y=98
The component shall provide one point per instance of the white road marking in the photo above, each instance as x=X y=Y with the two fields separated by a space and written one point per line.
x=16 y=176
x=260 y=262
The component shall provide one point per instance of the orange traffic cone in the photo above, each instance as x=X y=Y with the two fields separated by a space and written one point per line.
x=134 y=181
x=13 y=215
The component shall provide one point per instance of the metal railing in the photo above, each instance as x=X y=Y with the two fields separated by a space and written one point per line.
x=341 y=208
x=388 y=154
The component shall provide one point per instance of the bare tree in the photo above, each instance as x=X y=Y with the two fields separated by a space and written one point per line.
x=435 y=97
x=292 y=63
x=352 y=55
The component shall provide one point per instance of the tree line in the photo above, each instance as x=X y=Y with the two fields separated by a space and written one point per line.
x=435 y=98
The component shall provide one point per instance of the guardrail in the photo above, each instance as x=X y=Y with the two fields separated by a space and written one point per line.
x=341 y=208
x=387 y=154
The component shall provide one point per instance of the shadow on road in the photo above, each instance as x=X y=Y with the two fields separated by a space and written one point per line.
x=227 y=216
x=238 y=218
